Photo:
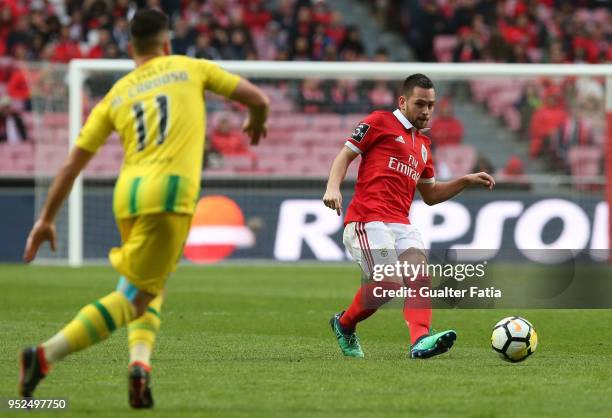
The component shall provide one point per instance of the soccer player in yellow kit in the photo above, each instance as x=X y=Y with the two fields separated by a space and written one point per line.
x=159 y=111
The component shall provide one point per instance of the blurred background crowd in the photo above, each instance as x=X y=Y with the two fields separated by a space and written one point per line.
x=558 y=123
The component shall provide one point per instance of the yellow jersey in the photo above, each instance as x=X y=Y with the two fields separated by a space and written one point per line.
x=158 y=109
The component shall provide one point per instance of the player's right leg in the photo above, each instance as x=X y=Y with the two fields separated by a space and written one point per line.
x=369 y=244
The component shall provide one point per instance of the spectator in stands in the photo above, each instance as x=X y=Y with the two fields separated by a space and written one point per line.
x=514 y=167
x=302 y=28
x=100 y=39
x=518 y=54
x=183 y=38
x=112 y=52
x=446 y=129
x=283 y=14
x=220 y=41
x=6 y=17
x=312 y=98
x=330 y=53
x=17 y=85
x=381 y=55
x=591 y=110
x=319 y=42
x=468 y=47
x=480 y=30
x=574 y=131
x=228 y=141
x=238 y=46
x=237 y=23
x=301 y=49
x=463 y=15
x=514 y=174
x=336 y=31
x=313 y=32
x=212 y=158
x=379 y=92
x=273 y=41
x=352 y=42
x=380 y=95
x=424 y=28
x=546 y=120
x=556 y=54
x=19 y=34
x=66 y=49
x=192 y=12
x=321 y=13
x=528 y=103
x=482 y=163
x=203 y=48
x=12 y=128
x=121 y=33
x=256 y=17
x=345 y=96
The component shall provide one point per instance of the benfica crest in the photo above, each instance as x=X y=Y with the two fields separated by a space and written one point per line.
x=424 y=153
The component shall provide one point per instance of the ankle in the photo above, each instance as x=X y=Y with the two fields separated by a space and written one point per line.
x=145 y=366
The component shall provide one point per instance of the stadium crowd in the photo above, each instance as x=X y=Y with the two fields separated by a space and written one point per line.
x=216 y=29
x=562 y=118
x=555 y=115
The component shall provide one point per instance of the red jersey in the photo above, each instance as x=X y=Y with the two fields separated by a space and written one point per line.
x=394 y=158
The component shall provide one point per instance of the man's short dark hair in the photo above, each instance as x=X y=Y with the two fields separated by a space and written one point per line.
x=145 y=29
x=416 y=80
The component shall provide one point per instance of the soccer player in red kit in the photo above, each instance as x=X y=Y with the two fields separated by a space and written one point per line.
x=395 y=161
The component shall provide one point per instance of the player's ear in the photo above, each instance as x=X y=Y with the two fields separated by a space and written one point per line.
x=130 y=49
x=401 y=103
x=167 y=46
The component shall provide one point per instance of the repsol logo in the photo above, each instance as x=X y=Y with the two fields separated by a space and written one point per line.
x=307 y=223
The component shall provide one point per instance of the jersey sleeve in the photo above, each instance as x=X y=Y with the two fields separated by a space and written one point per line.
x=97 y=128
x=428 y=174
x=364 y=136
x=217 y=79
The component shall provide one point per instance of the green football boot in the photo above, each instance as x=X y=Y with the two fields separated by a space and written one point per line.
x=349 y=343
x=433 y=344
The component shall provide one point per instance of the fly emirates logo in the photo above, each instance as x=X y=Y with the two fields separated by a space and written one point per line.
x=410 y=169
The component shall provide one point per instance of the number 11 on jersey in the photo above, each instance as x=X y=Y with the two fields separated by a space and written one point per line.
x=138 y=109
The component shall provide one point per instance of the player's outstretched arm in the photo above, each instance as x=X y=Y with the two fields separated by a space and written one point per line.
x=441 y=191
x=258 y=103
x=333 y=197
x=44 y=228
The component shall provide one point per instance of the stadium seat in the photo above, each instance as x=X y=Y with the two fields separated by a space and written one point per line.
x=584 y=161
x=459 y=159
x=443 y=47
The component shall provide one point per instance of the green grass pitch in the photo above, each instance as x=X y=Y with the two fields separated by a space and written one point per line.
x=253 y=341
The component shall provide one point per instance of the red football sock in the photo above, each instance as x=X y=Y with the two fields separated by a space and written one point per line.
x=417 y=310
x=365 y=303
x=44 y=366
x=145 y=366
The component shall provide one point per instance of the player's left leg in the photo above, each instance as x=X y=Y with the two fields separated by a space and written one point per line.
x=142 y=332
x=417 y=309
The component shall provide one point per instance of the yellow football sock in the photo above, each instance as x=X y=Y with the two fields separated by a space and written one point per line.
x=143 y=330
x=96 y=321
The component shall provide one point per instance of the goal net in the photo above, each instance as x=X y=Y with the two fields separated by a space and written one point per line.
x=540 y=129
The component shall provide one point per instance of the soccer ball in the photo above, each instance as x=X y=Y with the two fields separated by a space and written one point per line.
x=514 y=339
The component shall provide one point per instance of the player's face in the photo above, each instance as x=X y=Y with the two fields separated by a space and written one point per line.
x=419 y=106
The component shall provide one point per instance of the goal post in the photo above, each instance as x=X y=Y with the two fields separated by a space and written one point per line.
x=79 y=70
